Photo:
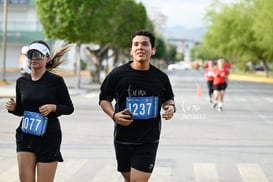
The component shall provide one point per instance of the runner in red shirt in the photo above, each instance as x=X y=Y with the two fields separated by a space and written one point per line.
x=227 y=65
x=220 y=75
x=209 y=77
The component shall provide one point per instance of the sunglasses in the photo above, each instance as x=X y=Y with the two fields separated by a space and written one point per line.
x=35 y=55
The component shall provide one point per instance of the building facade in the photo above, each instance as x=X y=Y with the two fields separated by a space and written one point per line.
x=23 y=26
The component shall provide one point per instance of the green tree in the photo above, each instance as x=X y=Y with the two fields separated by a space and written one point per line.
x=171 y=52
x=249 y=35
x=128 y=17
x=263 y=26
x=107 y=23
x=160 y=48
x=203 y=52
x=74 y=20
x=77 y=21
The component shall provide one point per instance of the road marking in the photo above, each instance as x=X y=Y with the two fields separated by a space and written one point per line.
x=71 y=165
x=251 y=173
x=161 y=174
x=264 y=118
x=205 y=172
x=107 y=173
x=10 y=175
x=269 y=99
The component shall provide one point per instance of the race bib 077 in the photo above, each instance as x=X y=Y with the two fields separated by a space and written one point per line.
x=34 y=123
x=142 y=107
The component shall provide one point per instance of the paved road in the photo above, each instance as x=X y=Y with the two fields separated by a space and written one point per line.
x=200 y=144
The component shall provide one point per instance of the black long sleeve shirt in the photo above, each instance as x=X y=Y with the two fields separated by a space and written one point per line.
x=49 y=89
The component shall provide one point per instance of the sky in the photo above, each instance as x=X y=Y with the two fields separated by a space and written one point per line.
x=186 y=13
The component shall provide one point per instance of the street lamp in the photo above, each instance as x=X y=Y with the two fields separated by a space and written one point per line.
x=4 y=81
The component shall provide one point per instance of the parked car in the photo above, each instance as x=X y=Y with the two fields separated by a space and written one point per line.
x=261 y=68
x=179 y=66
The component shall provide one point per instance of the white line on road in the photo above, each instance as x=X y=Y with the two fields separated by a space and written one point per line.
x=107 y=173
x=72 y=166
x=269 y=99
x=9 y=175
x=205 y=172
x=161 y=174
x=264 y=118
x=251 y=173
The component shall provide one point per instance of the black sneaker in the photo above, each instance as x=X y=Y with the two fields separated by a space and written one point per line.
x=214 y=105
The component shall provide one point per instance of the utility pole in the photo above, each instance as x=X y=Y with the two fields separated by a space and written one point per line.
x=4 y=43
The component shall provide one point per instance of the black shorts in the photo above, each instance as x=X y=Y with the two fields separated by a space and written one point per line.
x=46 y=148
x=219 y=87
x=138 y=156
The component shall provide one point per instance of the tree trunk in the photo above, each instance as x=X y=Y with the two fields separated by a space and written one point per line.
x=78 y=65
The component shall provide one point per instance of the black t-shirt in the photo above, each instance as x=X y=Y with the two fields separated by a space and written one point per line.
x=123 y=83
x=49 y=89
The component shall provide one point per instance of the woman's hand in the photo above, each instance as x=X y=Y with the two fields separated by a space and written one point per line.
x=47 y=109
x=11 y=104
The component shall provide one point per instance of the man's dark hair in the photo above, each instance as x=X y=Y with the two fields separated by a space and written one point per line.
x=144 y=33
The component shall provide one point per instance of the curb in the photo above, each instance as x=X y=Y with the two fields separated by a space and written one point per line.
x=251 y=78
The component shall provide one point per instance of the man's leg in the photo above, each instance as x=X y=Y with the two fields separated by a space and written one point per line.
x=126 y=176
x=139 y=176
x=216 y=97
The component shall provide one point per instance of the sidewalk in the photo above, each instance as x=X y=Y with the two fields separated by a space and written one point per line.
x=250 y=78
x=8 y=90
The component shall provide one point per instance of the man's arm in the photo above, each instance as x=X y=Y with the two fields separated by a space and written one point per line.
x=107 y=107
x=121 y=117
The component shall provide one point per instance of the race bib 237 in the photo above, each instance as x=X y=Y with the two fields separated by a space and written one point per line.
x=142 y=107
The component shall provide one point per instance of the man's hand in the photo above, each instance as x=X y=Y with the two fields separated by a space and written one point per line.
x=168 y=111
x=123 y=118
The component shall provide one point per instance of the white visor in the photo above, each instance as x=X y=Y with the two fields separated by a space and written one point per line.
x=39 y=47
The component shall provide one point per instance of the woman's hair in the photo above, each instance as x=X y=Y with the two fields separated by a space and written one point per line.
x=57 y=54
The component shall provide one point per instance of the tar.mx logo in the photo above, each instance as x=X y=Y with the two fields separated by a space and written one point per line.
x=191 y=111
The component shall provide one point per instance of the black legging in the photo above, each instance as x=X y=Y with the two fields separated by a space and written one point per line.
x=210 y=87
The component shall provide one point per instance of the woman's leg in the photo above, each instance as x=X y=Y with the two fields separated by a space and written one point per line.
x=26 y=166
x=222 y=94
x=210 y=89
x=46 y=171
